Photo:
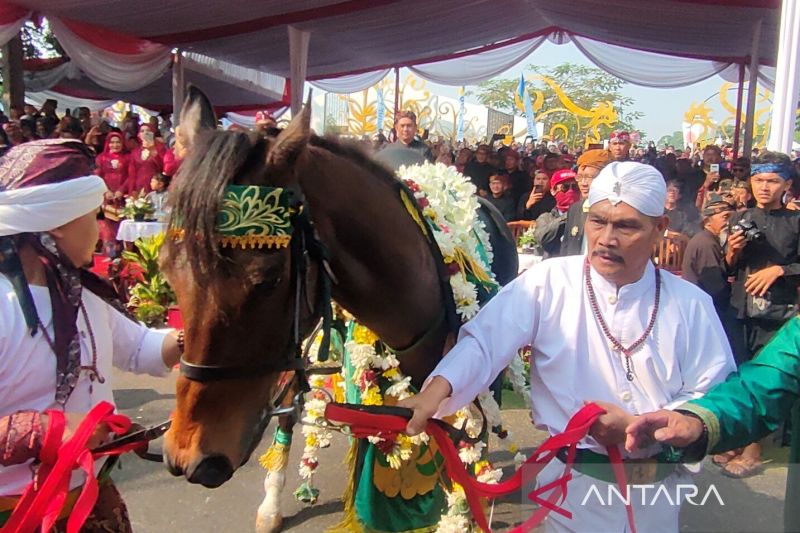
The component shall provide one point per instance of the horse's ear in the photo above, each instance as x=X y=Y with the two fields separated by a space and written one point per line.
x=197 y=114
x=291 y=142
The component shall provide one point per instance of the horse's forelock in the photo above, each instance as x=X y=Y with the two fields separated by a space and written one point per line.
x=216 y=160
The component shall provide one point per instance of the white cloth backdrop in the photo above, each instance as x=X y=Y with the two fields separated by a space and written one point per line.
x=647 y=68
x=66 y=102
x=249 y=120
x=115 y=71
x=44 y=80
x=473 y=69
x=249 y=79
x=351 y=84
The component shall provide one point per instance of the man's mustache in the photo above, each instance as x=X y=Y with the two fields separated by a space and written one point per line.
x=609 y=255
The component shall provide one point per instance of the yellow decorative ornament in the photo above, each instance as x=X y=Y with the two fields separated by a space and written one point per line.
x=363 y=335
x=408 y=480
x=587 y=121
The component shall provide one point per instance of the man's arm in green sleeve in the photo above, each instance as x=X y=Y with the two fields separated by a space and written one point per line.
x=752 y=402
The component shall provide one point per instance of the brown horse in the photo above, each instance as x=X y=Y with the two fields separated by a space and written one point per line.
x=239 y=306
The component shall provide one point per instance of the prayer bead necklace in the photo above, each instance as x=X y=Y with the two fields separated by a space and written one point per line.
x=617 y=346
x=91 y=370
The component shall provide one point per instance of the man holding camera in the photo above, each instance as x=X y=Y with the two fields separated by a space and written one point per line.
x=762 y=252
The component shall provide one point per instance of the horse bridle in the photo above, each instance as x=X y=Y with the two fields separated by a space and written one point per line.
x=305 y=247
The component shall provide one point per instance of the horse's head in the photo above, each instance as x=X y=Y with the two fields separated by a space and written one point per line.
x=238 y=303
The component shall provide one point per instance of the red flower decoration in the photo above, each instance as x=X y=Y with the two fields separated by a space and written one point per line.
x=452 y=268
x=385 y=446
x=369 y=377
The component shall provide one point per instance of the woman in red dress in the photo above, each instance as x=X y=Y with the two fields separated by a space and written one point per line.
x=145 y=161
x=112 y=166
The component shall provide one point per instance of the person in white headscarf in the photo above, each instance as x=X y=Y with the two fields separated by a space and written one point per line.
x=61 y=327
x=608 y=327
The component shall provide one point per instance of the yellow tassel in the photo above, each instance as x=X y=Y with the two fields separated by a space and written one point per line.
x=275 y=458
x=349 y=522
x=468 y=264
x=412 y=210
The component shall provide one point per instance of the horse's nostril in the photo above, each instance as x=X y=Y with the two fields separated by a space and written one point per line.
x=171 y=467
x=211 y=472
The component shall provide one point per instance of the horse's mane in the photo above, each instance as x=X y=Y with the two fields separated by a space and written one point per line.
x=219 y=157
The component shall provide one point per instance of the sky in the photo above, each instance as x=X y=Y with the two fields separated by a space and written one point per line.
x=663 y=109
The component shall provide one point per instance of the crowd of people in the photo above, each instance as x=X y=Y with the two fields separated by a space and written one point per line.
x=734 y=219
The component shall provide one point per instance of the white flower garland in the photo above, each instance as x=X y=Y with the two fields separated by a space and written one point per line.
x=448 y=199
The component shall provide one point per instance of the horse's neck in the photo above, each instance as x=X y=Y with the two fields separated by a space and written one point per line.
x=387 y=277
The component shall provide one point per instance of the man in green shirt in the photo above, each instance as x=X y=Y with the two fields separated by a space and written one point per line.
x=747 y=406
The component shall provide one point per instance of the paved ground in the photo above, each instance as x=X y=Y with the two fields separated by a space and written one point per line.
x=160 y=503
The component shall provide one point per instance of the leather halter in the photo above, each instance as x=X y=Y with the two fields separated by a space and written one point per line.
x=305 y=246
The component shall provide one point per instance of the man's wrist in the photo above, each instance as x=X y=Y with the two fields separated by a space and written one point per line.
x=697 y=449
x=440 y=387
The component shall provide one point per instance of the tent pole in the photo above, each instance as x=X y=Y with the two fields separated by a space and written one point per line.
x=396 y=101
x=14 y=86
x=298 y=59
x=739 y=100
x=787 y=79
x=752 y=93
x=396 y=92
x=177 y=86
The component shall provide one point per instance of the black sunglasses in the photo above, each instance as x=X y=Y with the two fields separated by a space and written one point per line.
x=564 y=187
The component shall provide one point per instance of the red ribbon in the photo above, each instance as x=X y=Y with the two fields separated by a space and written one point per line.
x=43 y=499
x=364 y=424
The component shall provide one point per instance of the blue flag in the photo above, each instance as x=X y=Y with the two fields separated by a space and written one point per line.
x=381 y=111
x=461 y=111
x=522 y=97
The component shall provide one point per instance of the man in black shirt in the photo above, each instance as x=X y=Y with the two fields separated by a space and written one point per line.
x=683 y=218
x=704 y=264
x=767 y=270
x=539 y=201
x=406 y=127
x=478 y=170
x=519 y=180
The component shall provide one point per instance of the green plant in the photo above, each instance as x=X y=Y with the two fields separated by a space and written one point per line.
x=527 y=239
x=151 y=296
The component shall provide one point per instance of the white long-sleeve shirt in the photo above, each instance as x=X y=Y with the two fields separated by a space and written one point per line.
x=572 y=360
x=28 y=364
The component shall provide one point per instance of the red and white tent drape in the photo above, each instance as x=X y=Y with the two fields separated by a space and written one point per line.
x=113 y=60
x=11 y=20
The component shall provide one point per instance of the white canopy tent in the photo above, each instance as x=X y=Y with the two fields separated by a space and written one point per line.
x=345 y=45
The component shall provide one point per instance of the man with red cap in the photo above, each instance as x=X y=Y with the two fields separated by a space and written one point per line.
x=61 y=327
x=567 y=231
x=619 y=146
x=564 y=188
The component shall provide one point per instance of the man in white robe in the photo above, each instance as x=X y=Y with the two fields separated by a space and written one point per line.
x=573 y=360
x=60 y=332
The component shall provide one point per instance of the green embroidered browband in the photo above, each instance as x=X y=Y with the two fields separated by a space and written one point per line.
x=251 y=216
x=254 y=217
